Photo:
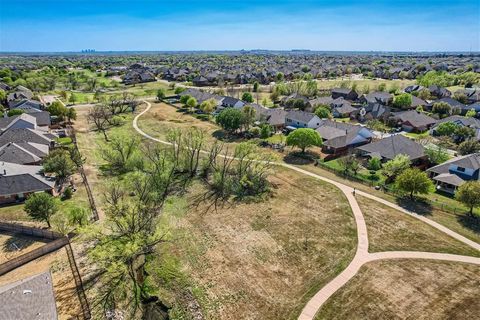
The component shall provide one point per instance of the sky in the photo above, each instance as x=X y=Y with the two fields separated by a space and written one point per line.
x=158 y=25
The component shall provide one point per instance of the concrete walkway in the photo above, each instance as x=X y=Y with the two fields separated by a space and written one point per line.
x=362 y=255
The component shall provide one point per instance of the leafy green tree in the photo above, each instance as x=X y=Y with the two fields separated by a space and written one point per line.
x=437 y=154
x=3 y=95
x=161 y=94
x=71 y=114
x=57 y=109
x=463 y=133
x=468 y=147
x=59 y=163
x=349 y=164
x=403 y=101
x=184 y=98
x=78 y=216
x=208 y=106
x=73 y=98
x=397 y=165
x=41 y=207
x=471 y=113
x=446 y=128
x=413 y=181
x=247 y=97
x=122 y=153
x=323 y=113
x=304 y=138
x=280 y=76
x=231 y=119
x=191 y=103
x=265 y=131
x=441 y=108
x=255 y=87
x=374 y=164
x=179 y=90
x=469 y=194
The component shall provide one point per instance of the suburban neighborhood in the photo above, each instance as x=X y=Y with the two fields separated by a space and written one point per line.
x=193 y=161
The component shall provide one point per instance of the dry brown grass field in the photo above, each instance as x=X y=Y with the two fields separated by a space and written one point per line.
x=408 y=289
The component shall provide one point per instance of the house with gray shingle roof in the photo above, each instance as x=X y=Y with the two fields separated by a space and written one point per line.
x=451 y=174
x=302 y=119
x=413 y=120
x=30 y=298
x=388 y=148
x=339 y=137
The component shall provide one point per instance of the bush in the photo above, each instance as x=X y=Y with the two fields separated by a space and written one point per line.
x=117 y=121
x=68 y=193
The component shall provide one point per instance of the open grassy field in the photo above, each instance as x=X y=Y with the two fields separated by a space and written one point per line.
x=391 y=230
x=256 y=260
x=363 y=84
x=457 y=220
x=408 y=289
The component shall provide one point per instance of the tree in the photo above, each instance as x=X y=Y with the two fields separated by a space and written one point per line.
x=191 y=103
x=280 y=76
x=41 y=207
x=374 y=164
x=122 y=153
x=59 y=162
x=208 y=106
x=101 y=118
x=161 y=94
x=73 y=98
x=231 y=119
x=3 y=95
x=468 y=147
x=446 y=128
x=403 y=101
x=463 y=133
x=184 y=98
x=78 y=216
x=397 y=165
x=247 y=97
x=249 y=116
x=71 y=114
x=414 y=181
x=441 y=108
x=349 y=163
x=323 y=113
x=304 y=138
x=437 y=154
x=469 y=194
x=265 y=131
x=471 y=113
x=255 y=87
x=57 y=109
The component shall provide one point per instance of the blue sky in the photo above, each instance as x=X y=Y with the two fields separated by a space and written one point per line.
x=382 y=25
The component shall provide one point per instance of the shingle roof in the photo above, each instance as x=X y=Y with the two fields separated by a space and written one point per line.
x=30 y=298
x=471 y=161
x=338 y=134
x=464 y=121
x=14 y=153
x=300 y=116
x=24 y=135
x=415 y=118
x=394 y=145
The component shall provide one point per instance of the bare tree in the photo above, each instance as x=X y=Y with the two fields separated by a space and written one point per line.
x=101 y=118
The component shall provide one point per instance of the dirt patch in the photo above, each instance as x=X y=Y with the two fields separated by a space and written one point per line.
x=14 y=245
x=408 y=289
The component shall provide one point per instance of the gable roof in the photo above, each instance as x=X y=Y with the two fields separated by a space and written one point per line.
x=25 y=135
x=459 y=120
x=7 y=123
x=339 y=134
x=29 y=298
x=394 y=145
x=415 y=118
x=18 y=178
x=14 y=153
x=300 y=116
x=471 y=161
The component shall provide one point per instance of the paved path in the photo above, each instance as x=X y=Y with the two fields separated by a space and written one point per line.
x=362 y=255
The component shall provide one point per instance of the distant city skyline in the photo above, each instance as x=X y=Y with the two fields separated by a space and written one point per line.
x=192 y=25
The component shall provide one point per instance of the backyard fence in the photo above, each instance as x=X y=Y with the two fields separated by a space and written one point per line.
x=91 y=200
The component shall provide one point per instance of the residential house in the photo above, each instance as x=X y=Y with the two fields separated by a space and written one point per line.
x=231 y=102
x=29 y=298
x=373 y=111
x=388 y=148
x=295 y=96
x=417 y=102
x=474 y=106
x=413 y=88
x=22 y=121
x=18 y=181
x=302 y=119
x=451 y=174
x=460 y=121
x=347 y=94
x=439 y=92
x=454 y=104
x=272 y=116
x=383 y=98
x=339 y=137
x=321 y=101
x=20 y=93
x=21 y=135
x=200 y=81
x=342 y=108
x=25 y=104
x=15 y=153
x=413 y=121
